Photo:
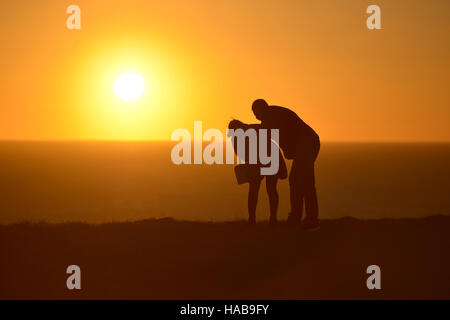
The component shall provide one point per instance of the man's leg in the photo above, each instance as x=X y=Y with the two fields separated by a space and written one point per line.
x=296 y=192
x=311 y=203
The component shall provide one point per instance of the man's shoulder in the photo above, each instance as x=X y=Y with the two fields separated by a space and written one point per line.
x=279 y=108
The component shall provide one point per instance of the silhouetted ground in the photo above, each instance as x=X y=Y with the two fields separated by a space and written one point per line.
x=167 y=259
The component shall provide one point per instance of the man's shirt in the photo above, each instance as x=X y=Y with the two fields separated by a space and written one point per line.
x=295 y=135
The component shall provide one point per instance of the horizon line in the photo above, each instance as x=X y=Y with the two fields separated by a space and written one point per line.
x=161 y=140
x=171 y=219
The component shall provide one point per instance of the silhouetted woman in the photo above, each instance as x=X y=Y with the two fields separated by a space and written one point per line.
x=251 y=173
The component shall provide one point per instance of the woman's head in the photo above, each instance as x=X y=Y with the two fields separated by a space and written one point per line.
x=236 y=124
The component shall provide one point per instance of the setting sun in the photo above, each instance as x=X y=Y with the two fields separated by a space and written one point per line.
x=129 y=86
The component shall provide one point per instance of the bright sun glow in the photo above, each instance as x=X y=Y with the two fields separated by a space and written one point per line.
x=129 y=86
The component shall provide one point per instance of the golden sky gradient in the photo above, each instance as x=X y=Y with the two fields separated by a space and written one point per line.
x=209 y=59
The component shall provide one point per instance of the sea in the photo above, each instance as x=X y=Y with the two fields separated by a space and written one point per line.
x=102 y=182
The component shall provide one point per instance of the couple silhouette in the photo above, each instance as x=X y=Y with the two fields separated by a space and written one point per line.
x=300 y=143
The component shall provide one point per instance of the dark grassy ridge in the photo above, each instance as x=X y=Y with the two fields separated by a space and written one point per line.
x=167 y=259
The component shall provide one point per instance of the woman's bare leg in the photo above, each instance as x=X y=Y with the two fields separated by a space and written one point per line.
x=253 y=200
x=271 y=187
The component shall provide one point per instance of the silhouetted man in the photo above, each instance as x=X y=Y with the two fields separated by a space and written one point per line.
x=300 y=143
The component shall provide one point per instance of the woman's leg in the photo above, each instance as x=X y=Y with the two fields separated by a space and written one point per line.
x=271 y=187
x=253 y=200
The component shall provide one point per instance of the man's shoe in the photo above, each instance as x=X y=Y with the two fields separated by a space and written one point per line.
x=310 y=225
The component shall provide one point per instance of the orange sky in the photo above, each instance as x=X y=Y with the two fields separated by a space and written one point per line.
x=208 y=60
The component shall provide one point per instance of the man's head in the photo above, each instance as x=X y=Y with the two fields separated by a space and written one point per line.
x=260 y=108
